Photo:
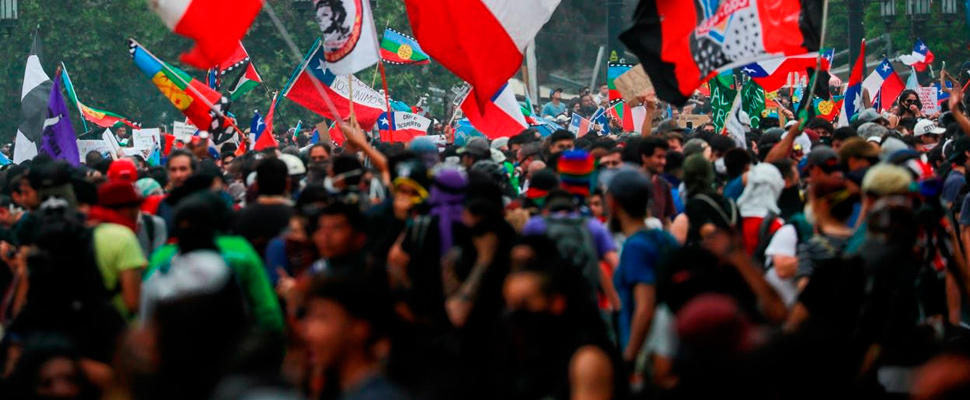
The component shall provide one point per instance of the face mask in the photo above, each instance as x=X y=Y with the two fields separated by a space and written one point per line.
x=826 y=140
x=719 y=166
x=809 y=214
x=929 y=146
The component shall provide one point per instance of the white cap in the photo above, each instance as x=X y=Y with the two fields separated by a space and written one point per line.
x=925 y=126
x=790 y=124
x=294 y=166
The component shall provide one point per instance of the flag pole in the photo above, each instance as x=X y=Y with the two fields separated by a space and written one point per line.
x=77 y=102
x=818 y=66
x=380 y=65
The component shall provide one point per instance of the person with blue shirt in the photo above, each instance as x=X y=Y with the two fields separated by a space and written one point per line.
x=636 y=276
x=555 y=106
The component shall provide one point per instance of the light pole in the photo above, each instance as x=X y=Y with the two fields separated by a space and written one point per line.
x=8 y=15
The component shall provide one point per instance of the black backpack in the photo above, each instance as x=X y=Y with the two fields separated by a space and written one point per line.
x=764 y=238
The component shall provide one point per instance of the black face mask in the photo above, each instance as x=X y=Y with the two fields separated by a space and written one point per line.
x=826 y=140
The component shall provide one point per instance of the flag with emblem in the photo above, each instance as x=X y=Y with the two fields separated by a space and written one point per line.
x=579 y=126
x=942 y=95
x=827 y=109
x=313 y=81
x=920 y=58
x=398 y=48
x=193 y=98
x=215 y=26
x=349 y=39
x=267 y=140
x=256 y=126
x=101 y=118
x=773 y=74
x=398 y=126
x=884 y=85
x=58 y=139
x=682 y=43
x=753 y=102
x=614 y=71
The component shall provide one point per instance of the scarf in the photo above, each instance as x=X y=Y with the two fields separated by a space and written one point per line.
x=760 y=196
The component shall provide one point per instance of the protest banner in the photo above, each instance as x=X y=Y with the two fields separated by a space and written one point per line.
x=112 y=142
x=145 y=142
x=633 y=84
x=86 y=146
x=183 y=131
x=692 y=120
x=928 y=98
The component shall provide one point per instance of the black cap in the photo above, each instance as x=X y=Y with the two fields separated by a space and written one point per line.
x=823 y=157
x=960 y=146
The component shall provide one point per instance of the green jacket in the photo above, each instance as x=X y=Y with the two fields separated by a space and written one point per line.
x=249 y=272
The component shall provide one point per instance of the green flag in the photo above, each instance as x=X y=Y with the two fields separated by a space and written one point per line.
x=753 y=102
x=722 y=97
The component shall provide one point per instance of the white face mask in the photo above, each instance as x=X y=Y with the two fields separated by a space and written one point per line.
x=929 y=146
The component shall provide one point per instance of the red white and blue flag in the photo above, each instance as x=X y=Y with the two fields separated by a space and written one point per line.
x=401 y=126
x=499 y=116
x=852 y=104
x=884 y=85
x=579 y=125
x=772 y=74
x=920 y=58
x=313 y=81
x=942 y=95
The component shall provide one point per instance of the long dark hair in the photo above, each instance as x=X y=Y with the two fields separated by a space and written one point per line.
x=902 y=96
x=338 y=15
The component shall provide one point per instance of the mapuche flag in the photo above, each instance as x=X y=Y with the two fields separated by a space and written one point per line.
x=215 y=25
x=193 y=98
x=398 y=48
x=101 y=118
x=313 y=81
x=681 y=43
x=58 y=139
x=614 y=71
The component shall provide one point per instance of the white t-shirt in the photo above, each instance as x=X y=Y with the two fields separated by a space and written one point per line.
x=783 y=243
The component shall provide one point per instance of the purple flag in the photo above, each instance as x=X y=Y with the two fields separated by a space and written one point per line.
x=58 y=139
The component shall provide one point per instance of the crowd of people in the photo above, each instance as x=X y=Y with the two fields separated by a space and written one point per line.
x=668 y=263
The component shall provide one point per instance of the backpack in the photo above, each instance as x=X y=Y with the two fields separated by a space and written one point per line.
x=576 y=246
x=146 y=220
x=764 y=238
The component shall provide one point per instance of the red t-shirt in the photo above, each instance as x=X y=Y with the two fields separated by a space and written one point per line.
x=751 y=227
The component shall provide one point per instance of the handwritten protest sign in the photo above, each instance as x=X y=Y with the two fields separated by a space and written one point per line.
x=86 y=146
x=634 y=83
x=928 y=98
x=146 y=142
x=183 y=131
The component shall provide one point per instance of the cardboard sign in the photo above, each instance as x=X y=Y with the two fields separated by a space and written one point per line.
x=634 y=83
x=183 y=131
x=146 y=141
x=86 y=146
x=695 y=120
x=112 y=142
x=928 y=98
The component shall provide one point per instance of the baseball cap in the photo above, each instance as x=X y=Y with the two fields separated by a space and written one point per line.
x=960 y=146
x=869 y=115
x=823 y=157
x=498 y=143
x=476 y=147
x=925 y=126
x=123 y=169
x=294 y=166
x=694 y=146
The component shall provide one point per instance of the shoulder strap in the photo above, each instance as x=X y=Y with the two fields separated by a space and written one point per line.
x=149 y=223
x=732 y=220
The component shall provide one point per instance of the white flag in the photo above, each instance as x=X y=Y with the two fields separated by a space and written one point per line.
x=349 y=37
x=734 y=126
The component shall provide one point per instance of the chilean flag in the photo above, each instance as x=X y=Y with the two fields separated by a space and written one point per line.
x=919 y=58
x=579 y=125
x=266 y=139
x=401 y=126
x=500 y=116
x=481 y=41
x=885 y=81
x=773 y=74
x=217 y=26
x=941 y=95
x=852 y=104
x=314 y=80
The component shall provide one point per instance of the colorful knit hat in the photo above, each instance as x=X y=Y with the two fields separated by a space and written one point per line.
x=576 y=172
